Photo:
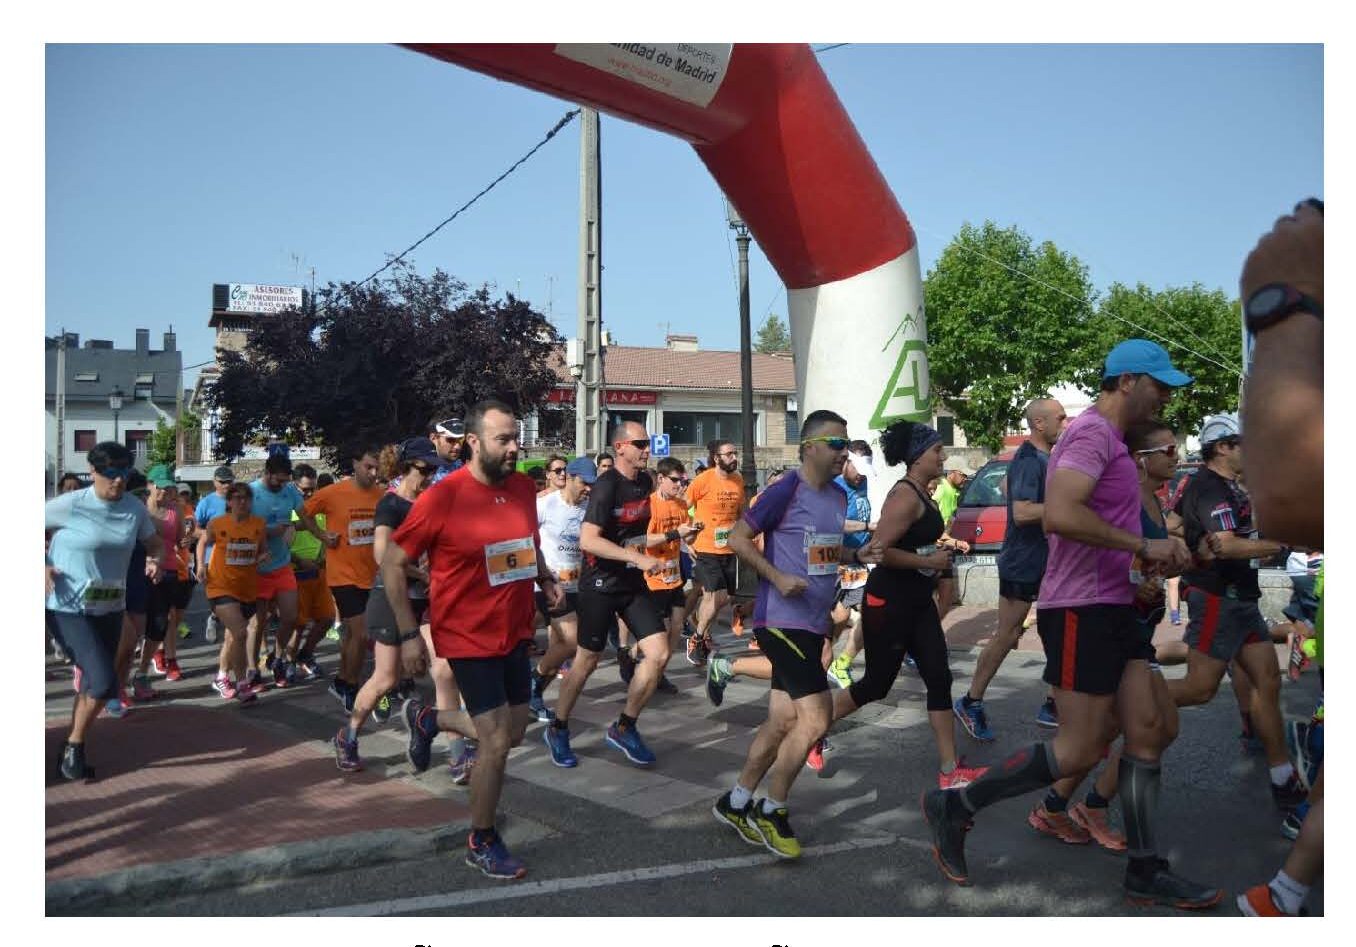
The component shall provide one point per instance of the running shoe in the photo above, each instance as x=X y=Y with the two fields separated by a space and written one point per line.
x=494 y=860
x=254 y=680
x=116 y=707
x=1258 y=901
x=268 y=662
x=962 y=775
x=283 y=673
x=948 y=835
x=422 y=725
x=1297 y=742
x=1290 y=794
x=346 y=752
x=459 y=768
x=537 y=704
x=630 y=743
x=912 y=664
x=172 y=672
x=739 y=818
x=224 y=686
x=245 y=695
x=1097 y=822
x=839 y=673
x=558 y=742
x=158 y=662
x=382 y=711
x=974 y=719
x=718 y=675
x=1048 y=715
x=1298 y=659
x=815 y=758
x=184 y=630
x=774 y=829
x=626 y=665
x=666 y=686
x=565 y=668
x=310 y=669
x=1059 y=825
x=141 y=689
x=73 y=762
x=688 y=630
x=209 y=630
x=339 y=691
x=1163 y=887
x=406 y=689
x=1294 y=821
x=696 y=651
x=335 y=632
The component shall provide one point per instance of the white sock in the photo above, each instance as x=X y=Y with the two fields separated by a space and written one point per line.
x=1281 y=774
x=739 y=797
x=1288 y=892
x=771 y=805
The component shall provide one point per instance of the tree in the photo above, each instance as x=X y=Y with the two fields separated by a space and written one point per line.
x=1201 y=330
x=1007 y=321
x=773 y=336
x=367 y=364
x=163 y=447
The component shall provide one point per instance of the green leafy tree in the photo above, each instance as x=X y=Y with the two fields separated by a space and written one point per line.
x=161 y=449
x=1007 y=321
x=773 y=336
x=1200 y=328
x=370 y=364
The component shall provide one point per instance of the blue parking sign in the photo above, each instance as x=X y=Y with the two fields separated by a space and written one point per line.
x=659 y=445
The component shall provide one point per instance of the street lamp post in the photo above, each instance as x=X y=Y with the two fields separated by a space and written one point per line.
x=115 y=405
x=745 y=348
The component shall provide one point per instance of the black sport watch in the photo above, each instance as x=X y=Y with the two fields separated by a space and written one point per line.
x=1274 y=302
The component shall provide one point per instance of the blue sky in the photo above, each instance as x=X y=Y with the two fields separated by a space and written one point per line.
x=169 y=168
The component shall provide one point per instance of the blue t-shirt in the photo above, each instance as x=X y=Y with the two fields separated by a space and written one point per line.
x=858 y=508
x=274 y=508
x=208 y=509
x=802 y=529
x=92 y=548
x=446 y=469
x=1025 y=547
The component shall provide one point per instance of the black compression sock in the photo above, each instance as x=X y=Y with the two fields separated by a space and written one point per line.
x=1096 y=800
x=541 y=680
x=1054 y=802
x=625 y=723
x=1139 y=800
x=969 y=701
x=1030 y=768
x=560 y=723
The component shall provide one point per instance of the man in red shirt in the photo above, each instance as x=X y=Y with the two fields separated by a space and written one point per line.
x=479 y=528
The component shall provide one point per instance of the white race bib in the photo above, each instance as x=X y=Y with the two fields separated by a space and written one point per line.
x=635 y=542
x=361 y=532
x=241 y=552
x=821 y=553
x=103 y=598
x=721 y=538
x=852 y=577
x=568 y=578
x=926 y=551
x=671 y=575
x=511 y=561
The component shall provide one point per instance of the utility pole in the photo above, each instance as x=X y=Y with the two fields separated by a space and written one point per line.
x=750 y=462
x=60 y=411
x=589 y=421
x=179 y=413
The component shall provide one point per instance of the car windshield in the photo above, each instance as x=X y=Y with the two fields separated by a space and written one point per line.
x=989 y=487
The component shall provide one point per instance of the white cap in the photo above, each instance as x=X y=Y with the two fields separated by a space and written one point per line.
x=1219 y=426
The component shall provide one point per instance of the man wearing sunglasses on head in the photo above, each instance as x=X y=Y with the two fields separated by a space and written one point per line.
x=612 y=585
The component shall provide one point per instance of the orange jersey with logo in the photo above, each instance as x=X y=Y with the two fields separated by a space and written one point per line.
x=718 y=501
x=664 y=516
x=351 y=512
x=233 y=570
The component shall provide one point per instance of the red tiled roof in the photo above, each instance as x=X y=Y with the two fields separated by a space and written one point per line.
x=627 y=366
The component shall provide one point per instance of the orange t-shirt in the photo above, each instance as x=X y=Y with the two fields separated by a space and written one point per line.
x=236 y=544
x=351 y=512
x=664 y=516
x=718 y=502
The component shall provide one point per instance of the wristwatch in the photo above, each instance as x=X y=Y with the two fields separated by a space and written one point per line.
x=1274 y=302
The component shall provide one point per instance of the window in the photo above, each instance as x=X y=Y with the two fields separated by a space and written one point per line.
x=85 y=441
x=615 y=417
x=989 y=487
x=86 y=376
x=698 y=427
x=792 y=427
x=143 y=391
x=946 y=426
x=138 y=442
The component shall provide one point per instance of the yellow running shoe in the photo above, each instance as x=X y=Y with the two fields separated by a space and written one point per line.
x=775 y=829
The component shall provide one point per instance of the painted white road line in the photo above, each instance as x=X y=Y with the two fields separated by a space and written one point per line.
x=531 y=889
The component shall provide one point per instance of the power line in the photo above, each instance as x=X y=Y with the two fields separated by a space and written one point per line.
x=565 y=120
x=825 y=49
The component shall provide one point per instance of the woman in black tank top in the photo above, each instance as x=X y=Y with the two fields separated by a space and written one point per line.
x=899 y=615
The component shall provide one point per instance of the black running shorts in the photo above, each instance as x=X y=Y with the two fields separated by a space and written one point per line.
x=1018 y=591
x=796 y=656
x=246 y=608
x=667 y=600
x=487 y=683
x=570 y=604
x=1221 y=627
x=599 y=611
x=1088 y=646
x=350 y=600
x=713 y=572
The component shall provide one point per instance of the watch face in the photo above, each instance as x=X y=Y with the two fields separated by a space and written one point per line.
x=1266 y=300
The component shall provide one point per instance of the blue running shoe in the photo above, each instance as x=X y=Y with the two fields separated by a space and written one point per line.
x=558 y=742
x=537 y=705
x=346 y=752
x=1048 y=716
x=630 y=743
x=908 y=659
x=973 y=719
x=494 y=859
x=718 y=675
x=422 y=724
x=460 y=767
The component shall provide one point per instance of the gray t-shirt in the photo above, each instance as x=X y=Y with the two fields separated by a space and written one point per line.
x=1025 y=547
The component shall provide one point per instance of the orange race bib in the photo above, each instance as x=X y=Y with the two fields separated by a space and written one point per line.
x=568 y=579
x=821 y=553
x=513 y=560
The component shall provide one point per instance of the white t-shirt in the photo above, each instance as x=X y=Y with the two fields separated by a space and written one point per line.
x=560 y=523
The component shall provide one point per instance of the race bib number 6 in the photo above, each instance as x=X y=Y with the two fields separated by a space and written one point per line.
x=821 y=553
x=511 y=561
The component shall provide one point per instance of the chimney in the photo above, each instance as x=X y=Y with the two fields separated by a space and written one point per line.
x=681 y=343
x=170 y=340
x=143 y=341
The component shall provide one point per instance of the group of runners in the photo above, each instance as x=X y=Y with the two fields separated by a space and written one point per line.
x=470 y=556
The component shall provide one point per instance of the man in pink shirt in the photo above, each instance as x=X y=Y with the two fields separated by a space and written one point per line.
x=1097 y=660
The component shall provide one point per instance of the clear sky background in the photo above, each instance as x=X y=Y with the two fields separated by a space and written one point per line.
x=169 y=168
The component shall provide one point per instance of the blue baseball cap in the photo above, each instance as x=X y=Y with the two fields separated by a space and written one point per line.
x=1142 y=357
x=583 y=468
x=416 y=449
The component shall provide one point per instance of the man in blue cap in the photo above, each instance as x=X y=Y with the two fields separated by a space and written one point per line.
x=1097 y=660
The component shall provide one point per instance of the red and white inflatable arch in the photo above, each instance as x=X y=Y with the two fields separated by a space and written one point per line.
x=765 y=121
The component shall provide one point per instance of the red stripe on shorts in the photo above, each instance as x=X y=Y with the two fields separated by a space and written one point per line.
x=1070 y=655
x=1209 y=623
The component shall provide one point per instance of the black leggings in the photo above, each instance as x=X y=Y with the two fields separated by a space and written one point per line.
x=891 y=628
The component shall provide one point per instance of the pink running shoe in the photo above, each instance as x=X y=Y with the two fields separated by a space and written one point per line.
x=962 y=775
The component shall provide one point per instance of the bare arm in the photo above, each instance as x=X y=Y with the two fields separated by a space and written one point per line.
x=1025 y=512
x=902 y=509
x=1227 y=545
x=593 y=542
x=394 y=563
x=1067 y=514
x=381 y=541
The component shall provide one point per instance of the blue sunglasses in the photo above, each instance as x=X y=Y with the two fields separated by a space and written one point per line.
x=114 y=473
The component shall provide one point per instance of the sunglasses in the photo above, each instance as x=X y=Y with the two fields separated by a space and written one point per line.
x=114 y=473
x=640 y=444
x=452 y=427
x=1167 y=450
x=833 y=443
x=674 y=479
x=728 y=453
x=557 y=471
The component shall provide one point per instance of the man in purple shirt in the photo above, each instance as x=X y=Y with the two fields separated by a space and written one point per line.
x=801 y=520
x=1096 y=658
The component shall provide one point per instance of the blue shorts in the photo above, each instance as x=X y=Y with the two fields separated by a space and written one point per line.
x=685 y=565
x=138 y=586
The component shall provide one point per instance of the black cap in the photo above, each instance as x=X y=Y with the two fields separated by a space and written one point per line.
x=223 y=473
